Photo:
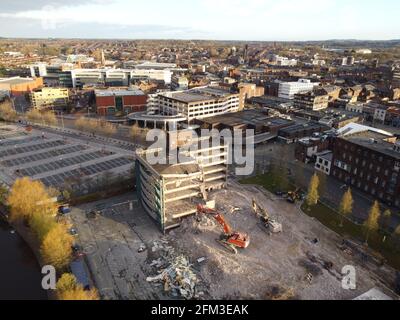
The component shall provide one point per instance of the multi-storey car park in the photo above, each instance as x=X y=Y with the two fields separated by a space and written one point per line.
x=170 y=192
x=183 y=107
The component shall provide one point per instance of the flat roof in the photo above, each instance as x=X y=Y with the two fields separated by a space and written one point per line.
x=374 y=141
x=246 y=117
x=308 y=125
x=16 y=80
x=198 y=94
x=108 y=93
x=189 y=97
x=180 y=168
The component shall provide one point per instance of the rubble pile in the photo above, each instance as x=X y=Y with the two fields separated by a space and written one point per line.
x=175 y=272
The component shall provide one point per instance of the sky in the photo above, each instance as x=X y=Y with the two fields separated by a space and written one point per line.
x=263 y=20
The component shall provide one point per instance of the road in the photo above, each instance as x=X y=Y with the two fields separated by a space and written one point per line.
x=334 y=189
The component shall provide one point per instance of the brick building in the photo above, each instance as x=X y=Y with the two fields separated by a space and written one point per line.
x=368 y=159
x=111 y=102
x=314 y=101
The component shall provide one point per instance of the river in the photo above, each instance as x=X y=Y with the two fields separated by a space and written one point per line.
x=20 y=277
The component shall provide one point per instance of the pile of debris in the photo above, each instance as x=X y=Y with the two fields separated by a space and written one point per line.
x=175 y=272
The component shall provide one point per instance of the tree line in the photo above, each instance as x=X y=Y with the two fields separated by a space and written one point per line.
x=375 y=215
x=34 y=205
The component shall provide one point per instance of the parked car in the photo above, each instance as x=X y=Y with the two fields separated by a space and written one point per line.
x=63 y=210
x=73 y=232
x=77 y=251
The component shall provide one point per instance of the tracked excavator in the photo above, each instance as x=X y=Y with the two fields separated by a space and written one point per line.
x=231 y=240
x=268 y=224
x=293 y=196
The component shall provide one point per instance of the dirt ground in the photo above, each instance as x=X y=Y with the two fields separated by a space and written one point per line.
x=130 y=258
x=290 y=265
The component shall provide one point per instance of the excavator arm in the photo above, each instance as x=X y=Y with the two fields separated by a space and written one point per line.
x=217 y=216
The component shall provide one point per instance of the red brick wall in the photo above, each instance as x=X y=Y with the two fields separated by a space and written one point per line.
x=134 y=100
x=105 y=102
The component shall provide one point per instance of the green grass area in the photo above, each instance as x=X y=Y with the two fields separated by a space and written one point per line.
x=270 y=182
x=389 y=248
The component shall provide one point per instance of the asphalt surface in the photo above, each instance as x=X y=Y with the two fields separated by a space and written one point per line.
x=334 y=189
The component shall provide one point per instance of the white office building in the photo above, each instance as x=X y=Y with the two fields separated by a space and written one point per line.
x=116 y=77
x=288 y=90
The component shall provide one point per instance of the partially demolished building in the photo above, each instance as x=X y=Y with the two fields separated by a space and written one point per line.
x=169 y=192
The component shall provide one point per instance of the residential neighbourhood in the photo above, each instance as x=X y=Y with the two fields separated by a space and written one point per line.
x=200 y=170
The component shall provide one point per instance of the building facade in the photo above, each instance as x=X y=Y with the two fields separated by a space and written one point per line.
x=198 y=103
x=49 y=97
x=179 y=83
x=311 y=101
x=369 y=160
x=171 y=192
x=111 y=102
x=17 y=86
x=288 y=90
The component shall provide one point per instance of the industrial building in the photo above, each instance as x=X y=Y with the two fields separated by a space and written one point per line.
x=49 y=97
x=170 y=192
x=111 y=102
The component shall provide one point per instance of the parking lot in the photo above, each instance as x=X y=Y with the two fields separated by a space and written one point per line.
x=58 y=160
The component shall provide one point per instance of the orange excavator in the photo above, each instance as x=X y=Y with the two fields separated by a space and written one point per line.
x=231 y=240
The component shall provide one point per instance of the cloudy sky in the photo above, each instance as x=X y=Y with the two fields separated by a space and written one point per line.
x=202 y=19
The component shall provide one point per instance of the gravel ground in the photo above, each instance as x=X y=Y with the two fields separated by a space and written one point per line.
x=277 y=266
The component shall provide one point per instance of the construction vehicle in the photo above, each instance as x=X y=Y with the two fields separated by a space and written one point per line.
x=293 y=196
x=269 y=224
x=231 y=240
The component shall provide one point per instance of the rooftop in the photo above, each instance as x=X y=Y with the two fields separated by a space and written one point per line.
x=374 y=141
x=108 y=93
x=326 y=155
x=16 y=80
x=198 y=94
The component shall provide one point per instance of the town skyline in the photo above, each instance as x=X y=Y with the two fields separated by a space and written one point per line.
x=255 y=20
